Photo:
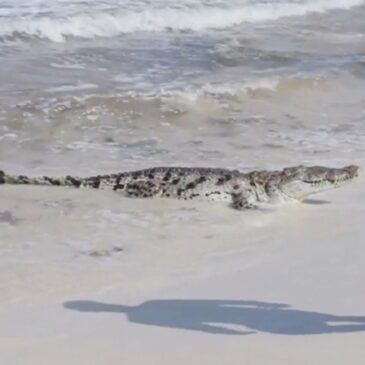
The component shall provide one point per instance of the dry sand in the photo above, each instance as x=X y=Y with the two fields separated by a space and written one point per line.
x=167 y=282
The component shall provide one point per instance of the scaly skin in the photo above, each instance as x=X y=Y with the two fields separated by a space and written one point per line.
x=242 y=190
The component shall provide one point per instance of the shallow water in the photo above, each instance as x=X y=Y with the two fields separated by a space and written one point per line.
x=237 y=84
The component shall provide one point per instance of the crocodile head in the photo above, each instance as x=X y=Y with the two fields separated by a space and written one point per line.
x=296 y=183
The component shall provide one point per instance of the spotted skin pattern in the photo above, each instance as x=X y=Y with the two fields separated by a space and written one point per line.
x=241 y=190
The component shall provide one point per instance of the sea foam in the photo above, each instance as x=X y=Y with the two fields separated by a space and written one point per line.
x=58 y=27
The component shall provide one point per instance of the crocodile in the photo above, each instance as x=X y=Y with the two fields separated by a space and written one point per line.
x=241 y=190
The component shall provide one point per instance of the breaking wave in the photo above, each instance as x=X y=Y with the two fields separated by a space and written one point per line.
x=57 y=29
x=193 y=98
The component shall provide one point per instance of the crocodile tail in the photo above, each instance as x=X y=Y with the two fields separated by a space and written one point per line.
x=42 y=180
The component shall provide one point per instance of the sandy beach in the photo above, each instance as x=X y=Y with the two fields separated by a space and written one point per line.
x=210 y=286
x=88 y=277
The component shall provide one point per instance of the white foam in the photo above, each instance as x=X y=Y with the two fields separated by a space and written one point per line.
x=67 y=88
x=69 y=66
x=160 y=19
x=193 y=94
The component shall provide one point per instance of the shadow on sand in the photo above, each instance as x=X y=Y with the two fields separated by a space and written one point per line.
x=316 y=201
x=224 y=316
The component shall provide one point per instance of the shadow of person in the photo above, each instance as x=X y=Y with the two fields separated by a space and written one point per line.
x=219 y=316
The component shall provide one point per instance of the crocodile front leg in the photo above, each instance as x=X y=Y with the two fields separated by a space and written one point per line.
x=244 y=200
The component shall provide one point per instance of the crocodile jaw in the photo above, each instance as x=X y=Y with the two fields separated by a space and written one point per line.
x=299 y=182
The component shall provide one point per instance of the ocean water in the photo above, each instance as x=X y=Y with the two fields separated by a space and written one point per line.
x=90 y=87
x=94 y=86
